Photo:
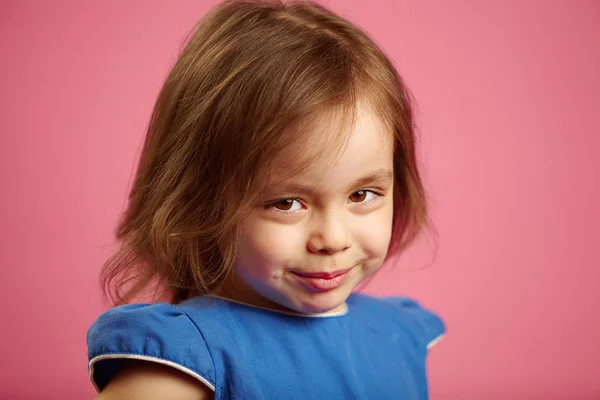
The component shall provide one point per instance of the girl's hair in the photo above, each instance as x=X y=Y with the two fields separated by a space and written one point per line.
x=249 y=72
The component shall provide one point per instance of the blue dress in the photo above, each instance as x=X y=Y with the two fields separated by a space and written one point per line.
x=375 y=350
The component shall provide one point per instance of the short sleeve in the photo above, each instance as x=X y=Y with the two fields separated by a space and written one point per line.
x=159 y=333
x=428 y=328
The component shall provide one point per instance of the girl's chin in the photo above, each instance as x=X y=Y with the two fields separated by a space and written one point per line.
x=320 y=303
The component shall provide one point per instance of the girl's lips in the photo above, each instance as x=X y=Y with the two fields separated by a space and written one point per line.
x=323 y=281
x=322 y=275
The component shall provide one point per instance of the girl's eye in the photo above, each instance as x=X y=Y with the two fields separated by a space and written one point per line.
x=287 y=205
x=361 y=196
x=291 y=205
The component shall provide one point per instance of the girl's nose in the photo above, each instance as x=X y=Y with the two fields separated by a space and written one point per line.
x=330 y=236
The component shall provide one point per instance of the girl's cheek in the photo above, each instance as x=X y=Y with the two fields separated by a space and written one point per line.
x=375 y=232
x=375 y=241
x=271 y=242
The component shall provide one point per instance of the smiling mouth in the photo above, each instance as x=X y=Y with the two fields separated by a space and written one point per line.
x=323 y=281
x=321 y=275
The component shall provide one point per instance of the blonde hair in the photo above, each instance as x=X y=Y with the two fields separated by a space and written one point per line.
x=249 y=71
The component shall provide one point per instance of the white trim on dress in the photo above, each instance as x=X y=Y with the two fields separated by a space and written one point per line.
x=146 y=358
x=434 y=341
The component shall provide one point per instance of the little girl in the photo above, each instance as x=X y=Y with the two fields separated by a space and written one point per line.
x=278 y=173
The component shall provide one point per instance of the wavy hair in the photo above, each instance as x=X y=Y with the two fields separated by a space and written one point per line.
x=248 y=71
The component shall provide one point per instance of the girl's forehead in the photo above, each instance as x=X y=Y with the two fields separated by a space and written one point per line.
x=334 y=150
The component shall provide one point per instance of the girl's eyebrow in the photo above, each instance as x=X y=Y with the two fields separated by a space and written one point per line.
x=380 y=176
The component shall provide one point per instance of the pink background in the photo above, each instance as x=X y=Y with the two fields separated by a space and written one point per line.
x=508 y=96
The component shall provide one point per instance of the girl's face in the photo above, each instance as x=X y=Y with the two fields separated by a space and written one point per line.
x=316 y=235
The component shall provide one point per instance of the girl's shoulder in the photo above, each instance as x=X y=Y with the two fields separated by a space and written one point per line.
x=175 y=335
x=160 y=332
x=424 y=325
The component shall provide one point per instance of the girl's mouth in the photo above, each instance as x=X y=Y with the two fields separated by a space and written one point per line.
x=323 y=281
